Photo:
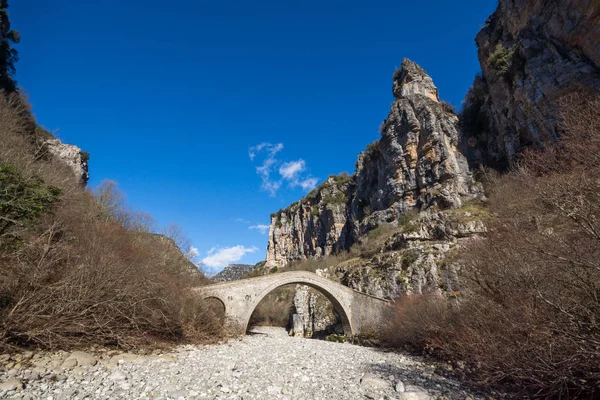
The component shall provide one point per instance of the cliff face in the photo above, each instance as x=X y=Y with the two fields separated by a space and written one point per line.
x=531 y=54
x=411 y=259
x=316 y=226
x=313 y=314
x=412 y=199
x=415 y=165
x=72 y=156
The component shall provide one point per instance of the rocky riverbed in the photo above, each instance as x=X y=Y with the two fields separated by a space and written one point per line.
x=265 y=365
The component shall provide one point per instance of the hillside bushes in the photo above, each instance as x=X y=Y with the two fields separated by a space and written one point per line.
x=75 y=272
x=528 y=314
x=23 y=199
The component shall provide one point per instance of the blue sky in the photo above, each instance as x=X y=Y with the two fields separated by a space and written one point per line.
x=215 y=114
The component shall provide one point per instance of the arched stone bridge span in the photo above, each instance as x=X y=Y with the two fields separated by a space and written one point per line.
x=360 y=313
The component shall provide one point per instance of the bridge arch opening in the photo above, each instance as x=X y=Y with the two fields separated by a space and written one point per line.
x=215 y=306
x=338 y=308
x=275 y=309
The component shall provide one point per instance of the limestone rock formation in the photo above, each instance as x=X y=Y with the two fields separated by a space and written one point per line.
x=71 y=155
x=412 y=258
x=531 y=53
x=313 y=313
x=415 y=165
x=233 y=272
x=412 y=200
x=411 y=79
x=316 y=226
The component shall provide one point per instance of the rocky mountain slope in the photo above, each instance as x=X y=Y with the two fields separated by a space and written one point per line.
x=313 y=314
x=531 y=53
x=233 y=272
x=413 y=198
x=415 y=165
x=72 y=156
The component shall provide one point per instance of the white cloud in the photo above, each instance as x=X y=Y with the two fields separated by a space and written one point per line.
x=272 y=149
x=256 y=149
x=242 y=221
x=264 y=171
x=271 y=186
x=291 y=170
x=192 y=253
x=218 y=258
x=309 y=184
x=263 y=229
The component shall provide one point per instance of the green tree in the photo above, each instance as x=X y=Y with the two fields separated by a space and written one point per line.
x=22 y=199
x=8 y=55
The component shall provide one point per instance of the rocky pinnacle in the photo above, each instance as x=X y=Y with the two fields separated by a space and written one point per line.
x=412 y=79
x=417 y=164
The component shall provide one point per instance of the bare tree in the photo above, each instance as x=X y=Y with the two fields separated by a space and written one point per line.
x=175 y=233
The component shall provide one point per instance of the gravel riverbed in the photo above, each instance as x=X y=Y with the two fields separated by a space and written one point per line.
x=265 y=365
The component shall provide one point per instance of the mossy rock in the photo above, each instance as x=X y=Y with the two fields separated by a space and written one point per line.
x=337 y=198
x=336 y=338
x=409 y=258
x=470 y=211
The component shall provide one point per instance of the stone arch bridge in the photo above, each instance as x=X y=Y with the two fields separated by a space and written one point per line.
x=360 y=313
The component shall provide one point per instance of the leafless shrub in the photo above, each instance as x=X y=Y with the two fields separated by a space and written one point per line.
x=86 y=270
x=529 y=310
x=417 y=321
x=447 y=107
x=176 y=234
